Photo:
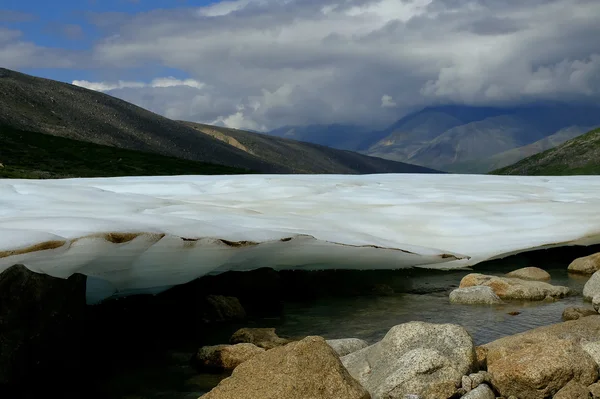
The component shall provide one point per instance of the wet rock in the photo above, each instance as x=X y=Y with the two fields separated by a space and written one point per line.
x=417 y=358
x=573 y=390
x=224 y=357
x=537 y=365
x=262 y=337
x=346 y=346
x=305 y=369
x=573 y=313
x=481 y=392
x=478 y=295
x=592 y=287
x=595 y=390
x=530 y=273
x=585 y=265
x=41 y=330
x=514 y=288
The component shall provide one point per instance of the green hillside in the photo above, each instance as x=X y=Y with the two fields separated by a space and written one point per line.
x=578 y=156
x=28 y=155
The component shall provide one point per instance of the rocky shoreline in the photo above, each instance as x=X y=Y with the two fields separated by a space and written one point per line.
x=61 y=342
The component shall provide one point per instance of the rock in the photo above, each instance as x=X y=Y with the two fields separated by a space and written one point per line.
x=585 y=265
x=466 y=383
x=477 y=295
x=481 y=392
x=530 y=273
x=262 y=337
x=417 y=358
x=573 y=390
x=219 y=309
x=592 y=349
x=592 y=287
x=305 y=369
x=41 y=329
x=481 y=355
x=573 y=313
x=346 y=346
x=595 y=390
x=596 y=302
x=537 y=365
x=514 y=288
x=477 y=378
x=224 y=357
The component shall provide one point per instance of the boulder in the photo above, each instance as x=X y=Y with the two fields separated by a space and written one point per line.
x=585 y=265
x=573 y=313
x=595 y=390
x=593 y=349
x=573 y=390
x=481 y=392
x=592 y=287
x=530 y=273
x=304 y=369
x=416 y=358
x=514 y=288
x=262 y=337
x=41 y=330
x=219 y=309
x=478 y=295
x=596 y=302
x=224 y=357
x=347 y=346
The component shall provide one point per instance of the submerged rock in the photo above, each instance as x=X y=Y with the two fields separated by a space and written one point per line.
x=305 y=369
x=530 y=273
x=478 y=295
x=573 y=313
x=573 y=390
x=514 y=288
x=346 y=346
x=592 y=287
x=224 y=357
x=262 y=337
x=585 y=265
x=41 y=330
x=416 y=358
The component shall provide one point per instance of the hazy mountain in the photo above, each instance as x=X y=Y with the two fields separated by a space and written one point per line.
x=578 y=156
x=31 y=104
x=343 y=137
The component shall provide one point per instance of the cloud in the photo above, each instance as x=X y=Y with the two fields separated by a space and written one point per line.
x=269 y=63
x=158 y=82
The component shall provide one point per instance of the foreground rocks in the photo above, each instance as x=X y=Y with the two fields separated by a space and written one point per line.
x=224 y=357
x=530 y=273
x=262 y=337
x=416 y=358
x=345 y=346
x=585 y=265
x=41 y=331
x=515 y=288
x=573 y=313
x=592 y=287
x=478 y=295
x=305 y=369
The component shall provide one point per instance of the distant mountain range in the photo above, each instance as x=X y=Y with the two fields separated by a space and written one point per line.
x=461 y=138
x=31 y=105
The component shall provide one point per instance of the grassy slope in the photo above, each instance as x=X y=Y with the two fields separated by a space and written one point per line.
x=579 y=156
x=28 y=155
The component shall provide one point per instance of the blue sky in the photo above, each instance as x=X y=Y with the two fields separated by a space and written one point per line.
x=262 y=64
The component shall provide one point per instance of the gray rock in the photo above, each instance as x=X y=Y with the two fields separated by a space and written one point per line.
x=530 y=273
x=415 y=358
x=596 y=302
x=466 y=383
x=592 y=349
x=346 y=346
x=477 y=295
x=481 y=392
x=585 y=265
x=477 y=379
x=592 y=287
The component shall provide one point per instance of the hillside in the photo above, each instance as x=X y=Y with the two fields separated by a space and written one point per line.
x=29 y=155
x=578 y=156
x=32 y=104
x=342 y=137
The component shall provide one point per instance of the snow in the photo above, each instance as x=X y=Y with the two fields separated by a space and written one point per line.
x=188 y=226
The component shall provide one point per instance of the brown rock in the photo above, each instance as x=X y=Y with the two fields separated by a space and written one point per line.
x=530 y=273
x=585 y=265
x=224 y=357
x=514 y=288
x=573 y=390
x=299 y=370
x=595 y=390
x=262 y=337
x=481 y=353
x=573 y=313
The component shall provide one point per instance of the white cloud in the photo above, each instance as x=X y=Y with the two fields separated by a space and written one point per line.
x=388 y=101
x=158 y=82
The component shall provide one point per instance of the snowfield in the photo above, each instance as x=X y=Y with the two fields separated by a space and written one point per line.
x=144 y=234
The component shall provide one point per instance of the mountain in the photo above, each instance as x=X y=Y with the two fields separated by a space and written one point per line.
x=31 y=104
x=343 y=137
x=578 y=156
x=447 y=137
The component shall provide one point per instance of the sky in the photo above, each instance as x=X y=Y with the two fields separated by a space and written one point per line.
x=263 y=64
